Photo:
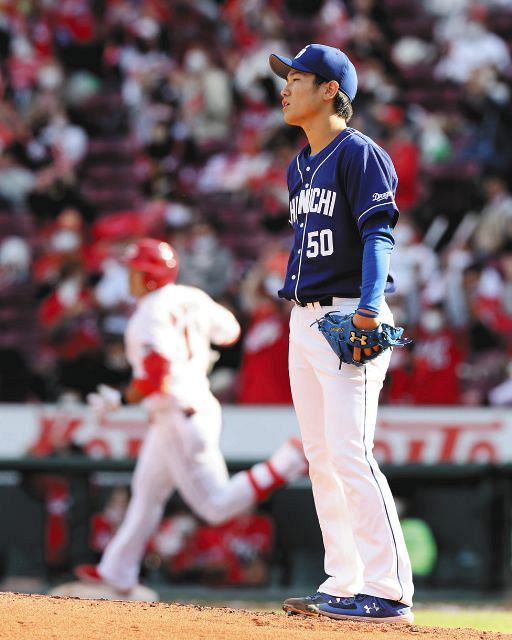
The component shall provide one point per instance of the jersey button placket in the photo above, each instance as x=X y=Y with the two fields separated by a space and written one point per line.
x=299 y=252
x=307 y=185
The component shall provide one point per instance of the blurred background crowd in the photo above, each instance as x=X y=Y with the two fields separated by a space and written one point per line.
x=123 y=118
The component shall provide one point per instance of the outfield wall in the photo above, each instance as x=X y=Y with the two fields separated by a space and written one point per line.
x=449 y=468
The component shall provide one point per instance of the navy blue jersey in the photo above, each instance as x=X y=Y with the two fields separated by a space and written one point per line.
x=332 y=195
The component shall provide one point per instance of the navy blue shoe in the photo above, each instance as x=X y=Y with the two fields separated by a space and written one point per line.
x=307 y=605
x=366 y=608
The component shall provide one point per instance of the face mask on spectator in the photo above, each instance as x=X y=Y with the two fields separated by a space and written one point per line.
x=205 y=244
x=177 y=215
x=15 y=253
x=68 y=291
x=65 y=240
x=50 y=77
x=272 y=283
x=195 y=60
x=431 y=321
x=372 y=80
x=147 y=28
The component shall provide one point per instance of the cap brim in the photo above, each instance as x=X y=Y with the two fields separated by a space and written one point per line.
x=282 y=66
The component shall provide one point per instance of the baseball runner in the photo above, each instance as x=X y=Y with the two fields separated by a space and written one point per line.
x=342 y=209
x=168 y=342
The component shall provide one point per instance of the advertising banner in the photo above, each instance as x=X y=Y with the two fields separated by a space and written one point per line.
x=403 y=436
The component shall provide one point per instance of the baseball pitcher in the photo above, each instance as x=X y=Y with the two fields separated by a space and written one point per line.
x=342 y=210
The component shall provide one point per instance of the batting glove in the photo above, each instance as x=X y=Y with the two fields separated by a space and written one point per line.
x=106 y=399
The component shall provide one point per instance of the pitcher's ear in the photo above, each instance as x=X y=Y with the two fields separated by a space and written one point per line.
x=331 y=89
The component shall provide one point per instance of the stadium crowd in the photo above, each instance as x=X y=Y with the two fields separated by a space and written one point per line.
x=120 y=119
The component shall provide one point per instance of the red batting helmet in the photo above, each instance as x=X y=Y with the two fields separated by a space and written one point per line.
x=157 y=260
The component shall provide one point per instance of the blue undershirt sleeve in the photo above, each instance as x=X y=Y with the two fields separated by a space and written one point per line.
x=378 y=243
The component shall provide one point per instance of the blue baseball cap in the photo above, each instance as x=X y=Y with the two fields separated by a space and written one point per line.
x=327 y=62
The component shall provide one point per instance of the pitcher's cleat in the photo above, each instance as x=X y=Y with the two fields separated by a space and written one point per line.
x=307 y=605
x=367 y=609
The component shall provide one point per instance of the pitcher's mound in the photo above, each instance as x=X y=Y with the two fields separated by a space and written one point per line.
x=78 y=589
x=42 y=617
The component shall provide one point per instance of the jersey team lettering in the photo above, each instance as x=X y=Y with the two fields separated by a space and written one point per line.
x=312 y=201
x=377 y=197
x=338 y=183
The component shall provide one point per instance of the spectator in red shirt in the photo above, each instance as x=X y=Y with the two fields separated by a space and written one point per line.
x=404 y=153
x=438 y=354
x=70 y=325
x=264 y=370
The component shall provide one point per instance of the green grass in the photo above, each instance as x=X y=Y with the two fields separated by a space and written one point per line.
x=485 y=617
x=453 y=617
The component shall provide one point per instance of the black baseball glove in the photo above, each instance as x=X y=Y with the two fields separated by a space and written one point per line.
x=343 y=336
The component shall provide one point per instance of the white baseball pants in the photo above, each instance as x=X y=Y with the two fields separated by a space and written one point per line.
x=336 y=409
x=183 y=454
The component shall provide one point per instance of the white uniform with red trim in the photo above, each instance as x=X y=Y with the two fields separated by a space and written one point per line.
x=179 y=323
x=168 y=345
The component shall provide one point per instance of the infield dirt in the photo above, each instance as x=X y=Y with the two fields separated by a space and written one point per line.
x=38 y=617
